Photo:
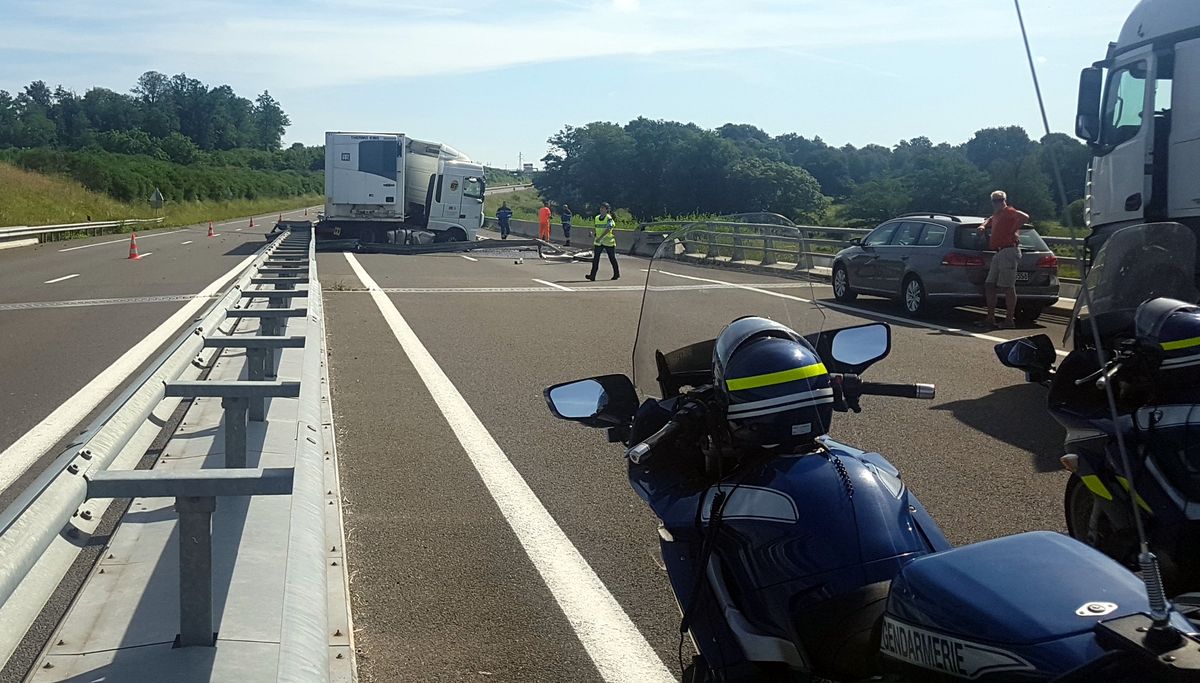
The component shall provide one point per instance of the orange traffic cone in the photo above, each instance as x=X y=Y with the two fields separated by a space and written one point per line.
x=133 y=252
x=210 y=230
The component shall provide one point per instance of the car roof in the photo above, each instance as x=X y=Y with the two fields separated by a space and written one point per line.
x=943 y=218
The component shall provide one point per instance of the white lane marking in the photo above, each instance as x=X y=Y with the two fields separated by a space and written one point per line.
x=78 y=303
x=551 y=284
x=187 y=242
x=614 y=643
x=27 y=449
x=60 y=279
x=854 y=311
x=237 y=229
x=145 y=254
x=469 y=258
x=123 y=241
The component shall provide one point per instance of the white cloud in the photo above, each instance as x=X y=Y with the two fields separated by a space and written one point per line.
x=321 y=43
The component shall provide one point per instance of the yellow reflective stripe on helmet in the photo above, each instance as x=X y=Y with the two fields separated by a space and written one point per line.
x=1181 y=344
x=773 y=378
x=1096 y=486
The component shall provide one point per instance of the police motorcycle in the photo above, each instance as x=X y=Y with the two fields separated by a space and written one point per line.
x=796 y=556
x=1145 y=351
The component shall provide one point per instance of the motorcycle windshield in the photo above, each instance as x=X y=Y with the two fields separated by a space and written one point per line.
x=706 y=275
x=1137 y=264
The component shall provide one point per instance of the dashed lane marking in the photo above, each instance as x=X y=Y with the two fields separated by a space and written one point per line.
x=552 y=284
x=187 y=242
x=60 y=279
x=78 y=303
x=619 y=651
x=469 y=258
x=28 y=449
x=122 y=241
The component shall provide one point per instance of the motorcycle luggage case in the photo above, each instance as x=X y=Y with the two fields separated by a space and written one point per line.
x=1171 y=329
x=1006 y=607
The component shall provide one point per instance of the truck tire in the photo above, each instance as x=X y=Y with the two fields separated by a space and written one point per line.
x=456 y=234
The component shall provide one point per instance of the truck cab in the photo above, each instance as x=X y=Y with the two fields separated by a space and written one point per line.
x=1139 y=111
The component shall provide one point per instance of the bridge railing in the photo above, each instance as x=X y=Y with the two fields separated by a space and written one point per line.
x=46 y=233
x=42 y=529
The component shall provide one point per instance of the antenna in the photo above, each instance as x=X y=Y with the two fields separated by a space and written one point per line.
x=1147 y=561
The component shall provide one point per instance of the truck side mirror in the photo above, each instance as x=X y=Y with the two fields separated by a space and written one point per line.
x=1087 y=115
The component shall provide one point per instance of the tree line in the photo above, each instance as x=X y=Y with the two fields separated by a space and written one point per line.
x=179 y=115
x=666 y=168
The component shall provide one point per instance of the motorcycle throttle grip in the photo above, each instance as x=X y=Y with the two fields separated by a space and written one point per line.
x=923 y=391
x=642 y=451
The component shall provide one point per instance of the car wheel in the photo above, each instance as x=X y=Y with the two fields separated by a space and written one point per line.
x=841 y=285
x=912 y=295
x=1028 y=314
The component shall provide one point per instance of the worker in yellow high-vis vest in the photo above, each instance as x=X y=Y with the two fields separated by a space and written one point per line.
x=605 y=241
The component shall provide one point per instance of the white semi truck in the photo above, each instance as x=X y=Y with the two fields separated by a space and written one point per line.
x=1139 y=110
x=388 y=187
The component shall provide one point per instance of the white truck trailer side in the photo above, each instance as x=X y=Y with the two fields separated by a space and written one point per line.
x=385 y=187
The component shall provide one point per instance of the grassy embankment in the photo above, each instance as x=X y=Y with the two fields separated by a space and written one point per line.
x=29 y=198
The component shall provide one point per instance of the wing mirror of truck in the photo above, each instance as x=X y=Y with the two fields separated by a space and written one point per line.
x=605 y=401
x=1087 y=114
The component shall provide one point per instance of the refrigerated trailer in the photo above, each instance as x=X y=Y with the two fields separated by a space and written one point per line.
x=391 y=188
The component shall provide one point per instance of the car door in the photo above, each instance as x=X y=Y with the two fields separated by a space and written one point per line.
x=862 y=265
x=891 y=263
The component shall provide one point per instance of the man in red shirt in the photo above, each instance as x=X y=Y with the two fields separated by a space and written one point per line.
x=544 y=221
x=1005 y=224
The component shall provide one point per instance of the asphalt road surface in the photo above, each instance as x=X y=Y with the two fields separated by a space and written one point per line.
x=490 y=541
x=78 y=320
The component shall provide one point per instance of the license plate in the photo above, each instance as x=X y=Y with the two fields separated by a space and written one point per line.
x=1022 y=276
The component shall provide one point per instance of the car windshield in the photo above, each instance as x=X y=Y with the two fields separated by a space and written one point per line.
x=704 y=277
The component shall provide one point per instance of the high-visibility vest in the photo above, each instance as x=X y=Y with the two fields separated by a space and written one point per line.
x=605 y=237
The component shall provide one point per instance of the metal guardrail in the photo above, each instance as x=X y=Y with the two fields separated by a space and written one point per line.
x=37 y=517
x=41 y=231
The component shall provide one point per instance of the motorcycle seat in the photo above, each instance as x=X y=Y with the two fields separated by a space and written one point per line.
x=841 y=635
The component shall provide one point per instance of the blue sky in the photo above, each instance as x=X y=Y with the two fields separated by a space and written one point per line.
x=496 y=78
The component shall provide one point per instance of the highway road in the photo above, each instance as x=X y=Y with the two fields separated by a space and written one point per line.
x=78 y=320
x=490 y=541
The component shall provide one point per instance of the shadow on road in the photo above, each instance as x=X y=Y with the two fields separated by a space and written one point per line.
x=1017 y=416
x=245 y=249
x=964 y=318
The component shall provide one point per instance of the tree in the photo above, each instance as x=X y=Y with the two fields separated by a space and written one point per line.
x=878 y=200
x=179 y=148
x=990 y=144
x=269 y=121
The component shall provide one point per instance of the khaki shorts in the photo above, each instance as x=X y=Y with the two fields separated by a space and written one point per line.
x=1003 y=271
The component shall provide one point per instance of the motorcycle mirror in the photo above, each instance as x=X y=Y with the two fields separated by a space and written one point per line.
x=1032 y=354
x=853 y=349
x=605 y=401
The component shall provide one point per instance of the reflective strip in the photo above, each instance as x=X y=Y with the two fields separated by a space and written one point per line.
x=1181 y=362
x=767 y=403
x=1096 y=486
x=780 y=409
x=773 y=378
x=1181 y=344
x=1137 y=496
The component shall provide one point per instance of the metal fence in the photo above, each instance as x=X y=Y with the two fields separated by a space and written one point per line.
x=46 y=233
x=282 y=274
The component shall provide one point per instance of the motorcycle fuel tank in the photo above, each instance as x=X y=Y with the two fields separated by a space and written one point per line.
x=1013 y=606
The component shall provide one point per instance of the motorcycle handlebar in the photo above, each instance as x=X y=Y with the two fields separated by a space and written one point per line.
x=642 y=451
x=921 y=391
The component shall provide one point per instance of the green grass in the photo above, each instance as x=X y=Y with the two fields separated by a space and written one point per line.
x=30 y=198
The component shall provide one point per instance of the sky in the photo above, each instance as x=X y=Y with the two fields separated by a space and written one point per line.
x=496 y=78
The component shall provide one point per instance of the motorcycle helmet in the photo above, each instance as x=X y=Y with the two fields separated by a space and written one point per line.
x=772 y=384
x=1170 y=330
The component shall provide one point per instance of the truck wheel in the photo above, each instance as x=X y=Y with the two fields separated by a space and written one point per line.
x=456 y=235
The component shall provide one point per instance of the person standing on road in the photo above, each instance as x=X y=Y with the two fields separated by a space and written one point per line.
x=544 y=221
x=503 y=216
x=566 y=220
x=1005 y=224
x=605 y=241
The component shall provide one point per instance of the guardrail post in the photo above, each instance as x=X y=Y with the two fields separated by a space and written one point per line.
x=195 y=570
x=768 y=258
x=739 y=250
x=236 y=408
x=710 y=250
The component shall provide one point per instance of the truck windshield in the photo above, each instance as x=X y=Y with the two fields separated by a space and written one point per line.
x=473 y=188
x=1124 y=103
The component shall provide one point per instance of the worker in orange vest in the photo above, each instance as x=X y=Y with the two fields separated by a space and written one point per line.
x=544 y=221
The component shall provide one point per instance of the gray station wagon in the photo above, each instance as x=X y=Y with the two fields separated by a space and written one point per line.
x=927 y=260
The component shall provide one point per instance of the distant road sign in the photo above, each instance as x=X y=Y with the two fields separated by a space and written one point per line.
x=156 y=200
